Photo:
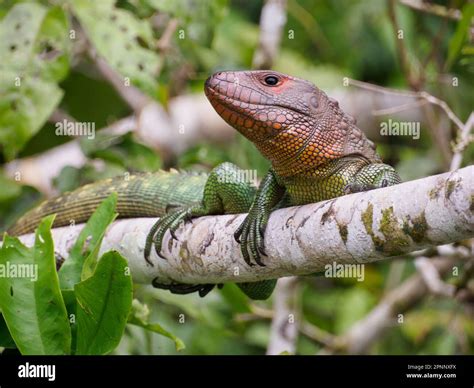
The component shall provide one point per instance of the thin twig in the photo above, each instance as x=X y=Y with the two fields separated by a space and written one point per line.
x=163 y=43
x=432 y=278
x=402 y=51
x=463 y=139
x=309 y=330
x=407 y=93
x=399 y=108
x=319 y=335
x=433 y=9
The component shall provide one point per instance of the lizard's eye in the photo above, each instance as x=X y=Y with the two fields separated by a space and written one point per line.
x=314 y=102
x=271 y=80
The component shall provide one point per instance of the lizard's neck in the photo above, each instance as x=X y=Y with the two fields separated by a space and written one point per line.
x=305 y=151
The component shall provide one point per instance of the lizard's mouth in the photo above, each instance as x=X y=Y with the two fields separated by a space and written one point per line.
x=217 y=98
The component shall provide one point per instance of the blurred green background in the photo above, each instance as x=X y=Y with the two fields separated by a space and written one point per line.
x=330 y=40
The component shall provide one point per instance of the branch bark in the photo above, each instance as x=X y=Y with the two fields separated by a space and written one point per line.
x=359 y=228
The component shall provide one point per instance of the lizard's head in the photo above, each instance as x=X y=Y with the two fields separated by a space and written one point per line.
x=292 y=122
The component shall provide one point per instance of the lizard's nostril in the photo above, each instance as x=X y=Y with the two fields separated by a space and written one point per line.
x=212 y=82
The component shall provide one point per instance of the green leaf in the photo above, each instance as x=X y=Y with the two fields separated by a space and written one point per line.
x=52 y=46
x=123 y=40
x=461 y=34
x=32 y=304
x=71 y=306
x=103 y=304
x=35 y=42
x=24 y=109
x=10 y=188
x=139 y=317
x=235 y=298
x=12 y=208
x=34 y=47
x=68 y=179
x=199 y=17
x=19 y=31
x=6 y=340
x=122 y=150
x=85 y=248
x=90 y=262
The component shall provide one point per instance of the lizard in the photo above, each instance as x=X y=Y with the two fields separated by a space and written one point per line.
x=316 y=151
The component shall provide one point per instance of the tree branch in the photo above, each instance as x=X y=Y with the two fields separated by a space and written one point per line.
x=359 y=228
x=434 y=9
x=432 y=279
x=360 y=337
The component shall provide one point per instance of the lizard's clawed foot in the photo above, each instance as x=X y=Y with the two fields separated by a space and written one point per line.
x=169 y=222
x=356 y=187
x=182 y=289
x=250 y=235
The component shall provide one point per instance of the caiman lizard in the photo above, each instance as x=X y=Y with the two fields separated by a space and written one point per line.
x=316 y=152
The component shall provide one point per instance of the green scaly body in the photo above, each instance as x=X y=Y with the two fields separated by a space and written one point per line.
x=316 y=150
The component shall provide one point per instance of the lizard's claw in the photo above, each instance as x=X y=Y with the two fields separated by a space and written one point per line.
x=169 y=222
x=173 y=234
x=182 y=289
x=250 y=235
x=356 y=187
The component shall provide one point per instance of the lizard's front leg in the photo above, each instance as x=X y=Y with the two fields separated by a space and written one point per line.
x=250 y=233
x=226 y=192
x=373 y=176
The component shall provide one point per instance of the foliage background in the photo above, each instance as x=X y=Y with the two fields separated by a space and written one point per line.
x=333 y=39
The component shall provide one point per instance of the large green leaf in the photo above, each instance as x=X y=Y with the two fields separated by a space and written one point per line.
x=198 y=17
x=86 y=247
x=34 y=47
x=31 y=301
x=123 y=40
x=103 y=304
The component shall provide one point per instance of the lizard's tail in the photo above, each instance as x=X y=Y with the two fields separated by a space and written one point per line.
x=138 y=195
